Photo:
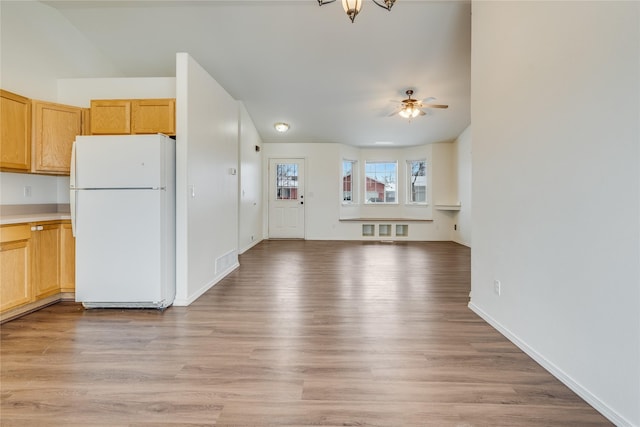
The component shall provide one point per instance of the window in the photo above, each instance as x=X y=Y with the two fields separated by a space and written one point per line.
x=417 y=185
x=349 y=182
x=380 y=182
x=287 y=181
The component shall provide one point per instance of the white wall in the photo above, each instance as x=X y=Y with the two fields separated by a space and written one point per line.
x=462 y=166
x=250 y=173
x=207 y=193
x=556 y=189
x=321 y=185
x=38 y=46
x=80 y=92
x=323 y=207
x=44 y=189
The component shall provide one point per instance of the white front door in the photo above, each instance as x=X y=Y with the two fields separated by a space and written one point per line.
x=286 y=198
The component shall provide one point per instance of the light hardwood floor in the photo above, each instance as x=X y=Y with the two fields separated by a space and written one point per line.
x=303 y=333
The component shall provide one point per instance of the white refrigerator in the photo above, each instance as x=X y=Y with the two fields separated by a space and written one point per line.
x=123 y=217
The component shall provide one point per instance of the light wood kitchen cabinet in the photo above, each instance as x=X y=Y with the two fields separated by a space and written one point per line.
x=153 y=116
x=15 y=132
x=67 y=258
x=133 y=116
x=45 y=255
x=55 y=127
x=15 y=266
x=37 y=266
x=86 y=121
x=111 y=117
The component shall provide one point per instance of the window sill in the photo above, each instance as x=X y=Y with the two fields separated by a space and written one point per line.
x=448 y=207
x=384 y=219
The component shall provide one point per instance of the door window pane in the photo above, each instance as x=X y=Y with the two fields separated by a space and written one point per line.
x=287 y=181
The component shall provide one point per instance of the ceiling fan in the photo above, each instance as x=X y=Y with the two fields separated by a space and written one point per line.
x=411 y=107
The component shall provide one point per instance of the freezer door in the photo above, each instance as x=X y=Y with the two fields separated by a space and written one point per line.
x=133 y=161
x=121 y=247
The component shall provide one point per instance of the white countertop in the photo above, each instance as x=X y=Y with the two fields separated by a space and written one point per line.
x=33 y=217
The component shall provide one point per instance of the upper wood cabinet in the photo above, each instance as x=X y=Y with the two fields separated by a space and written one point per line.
x=133 y=116
x=111 y=117
x=15 y=132
x=153 y=116
x=37 y=136
x=55 y=127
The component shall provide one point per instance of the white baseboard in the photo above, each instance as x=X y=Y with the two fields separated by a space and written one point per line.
x=460 y=242
x=249 y=246
x=191 y=298
x=575 y=386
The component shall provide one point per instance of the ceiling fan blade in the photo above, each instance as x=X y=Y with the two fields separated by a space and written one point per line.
x=422 y=113
x=393 y=113
x=428 y=100
x=434 y=106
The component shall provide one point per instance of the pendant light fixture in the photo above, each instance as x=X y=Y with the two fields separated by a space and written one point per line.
x=353 y=7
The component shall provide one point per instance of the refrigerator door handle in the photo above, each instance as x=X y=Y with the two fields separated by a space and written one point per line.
x=72 y=172
x=74 y=210
x=72 y=191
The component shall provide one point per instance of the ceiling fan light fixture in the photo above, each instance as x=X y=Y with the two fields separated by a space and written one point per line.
x=352 y=8
x=281 y=127
x=409 y=112
x=388 y=4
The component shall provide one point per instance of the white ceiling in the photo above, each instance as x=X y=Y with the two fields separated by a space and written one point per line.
x=297 y=62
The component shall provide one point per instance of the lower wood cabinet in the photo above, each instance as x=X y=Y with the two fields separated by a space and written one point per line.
x=67 y=258
x=15 y=267
x=45 y=256
x=37 y=266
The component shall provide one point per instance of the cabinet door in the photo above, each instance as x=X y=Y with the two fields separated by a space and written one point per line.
x=15 y=132
x=15 y=286
x=86 y=121
x=111 y=117
x=153 y=116
x=55 y=128
x=67 y=258
x=45 y=241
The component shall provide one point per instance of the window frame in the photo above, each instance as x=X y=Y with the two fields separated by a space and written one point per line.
x=354 y=182
x=409 y=180
x=366 y=177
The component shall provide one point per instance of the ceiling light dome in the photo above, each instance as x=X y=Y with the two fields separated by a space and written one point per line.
x=281 y=126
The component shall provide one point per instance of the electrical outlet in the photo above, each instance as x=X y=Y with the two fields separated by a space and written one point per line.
x=27 y=191
x=497 y=287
